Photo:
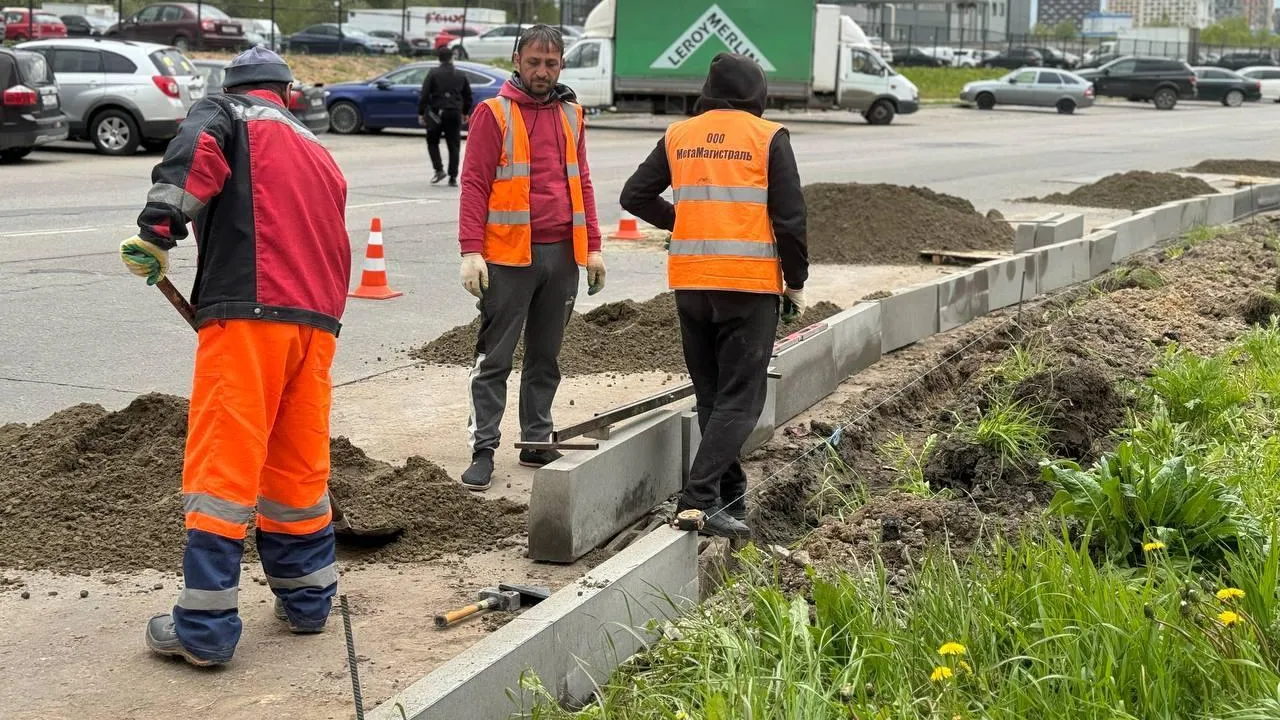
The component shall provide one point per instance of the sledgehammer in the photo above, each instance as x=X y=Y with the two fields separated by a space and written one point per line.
x=343 y=532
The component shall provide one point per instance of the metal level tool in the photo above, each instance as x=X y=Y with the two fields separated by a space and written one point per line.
x=603 y=420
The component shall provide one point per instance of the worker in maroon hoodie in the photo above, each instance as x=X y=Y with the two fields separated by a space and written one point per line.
x=527 y=223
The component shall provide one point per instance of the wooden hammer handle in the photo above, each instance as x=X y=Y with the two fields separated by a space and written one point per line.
x=453 y=616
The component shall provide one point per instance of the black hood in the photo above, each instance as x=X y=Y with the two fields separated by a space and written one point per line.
x=734 y=82
x=559 y=92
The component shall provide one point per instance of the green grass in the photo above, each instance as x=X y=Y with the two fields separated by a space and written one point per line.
x=908 y=464
x=1014 y=431
x=945 y=83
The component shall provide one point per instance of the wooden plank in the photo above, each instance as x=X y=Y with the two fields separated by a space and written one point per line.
x=961 y=257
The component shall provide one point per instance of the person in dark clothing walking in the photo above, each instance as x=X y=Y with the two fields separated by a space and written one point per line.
x=443 y=104
x=738 y=250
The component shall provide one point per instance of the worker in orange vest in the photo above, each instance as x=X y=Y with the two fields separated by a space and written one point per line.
x=737 y=233
x=527 y=222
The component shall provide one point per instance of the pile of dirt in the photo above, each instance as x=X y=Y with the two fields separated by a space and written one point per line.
x=1096 y=338
x=881 y=224
x=1131 y=191
x=1258 y=168
x=87 y=489
x=622 y=337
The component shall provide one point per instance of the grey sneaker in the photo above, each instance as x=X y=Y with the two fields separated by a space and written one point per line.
x=479 y=476
x=538 y=458
x=162 y=638
x=721 y=523
x=295 y=628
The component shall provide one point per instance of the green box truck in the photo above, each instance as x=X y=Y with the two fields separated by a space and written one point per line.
x=652 y=56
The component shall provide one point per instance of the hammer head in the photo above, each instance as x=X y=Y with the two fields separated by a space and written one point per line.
x=506 y=599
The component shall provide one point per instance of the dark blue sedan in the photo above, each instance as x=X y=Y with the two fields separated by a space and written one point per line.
x=391 y=100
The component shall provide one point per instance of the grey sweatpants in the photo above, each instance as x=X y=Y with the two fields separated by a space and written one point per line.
x=539 y=299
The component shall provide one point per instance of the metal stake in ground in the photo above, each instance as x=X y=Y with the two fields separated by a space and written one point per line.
x=351 y=657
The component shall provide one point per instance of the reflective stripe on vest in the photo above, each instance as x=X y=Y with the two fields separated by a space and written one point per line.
x=508 y=236
x=723 y=238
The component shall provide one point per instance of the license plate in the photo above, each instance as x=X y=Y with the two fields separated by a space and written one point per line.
x=231 y=29
x=316 y=102
x=49 y=101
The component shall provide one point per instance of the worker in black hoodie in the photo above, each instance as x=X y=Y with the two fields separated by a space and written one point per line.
x=444 y=102
x=738 y=251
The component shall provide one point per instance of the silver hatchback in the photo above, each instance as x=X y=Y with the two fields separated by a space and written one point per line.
x=122 y=95
x=1034 y=87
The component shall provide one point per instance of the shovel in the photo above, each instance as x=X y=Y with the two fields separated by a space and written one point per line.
x=343 y=532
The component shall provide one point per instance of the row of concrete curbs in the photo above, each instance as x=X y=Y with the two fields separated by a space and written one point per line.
x=575 y=640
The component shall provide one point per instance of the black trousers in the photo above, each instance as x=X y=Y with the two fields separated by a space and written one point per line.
x=728 y=340
x=450 y=128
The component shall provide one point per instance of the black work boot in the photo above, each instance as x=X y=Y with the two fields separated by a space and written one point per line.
x=720 y=523
x=295 y=628
x=435 y=179
x=538 y=458
x=162 y=638
x=737 y=509
x=453 y=182
x=479 y=476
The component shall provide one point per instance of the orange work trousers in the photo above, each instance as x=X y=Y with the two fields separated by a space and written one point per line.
x=258 y=433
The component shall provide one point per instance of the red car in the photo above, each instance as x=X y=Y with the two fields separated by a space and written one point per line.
x=19 y=27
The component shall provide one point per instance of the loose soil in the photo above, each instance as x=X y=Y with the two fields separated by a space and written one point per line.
x=881 y=224
x=623 y=337
x=1257 y=168
x=1131 y=191
x=1099 y=339
x=86 y=489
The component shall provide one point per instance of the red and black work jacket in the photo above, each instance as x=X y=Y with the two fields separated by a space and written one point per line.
x=269 y=207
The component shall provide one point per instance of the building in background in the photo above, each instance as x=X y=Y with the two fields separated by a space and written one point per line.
x=1051 y=13
x=1174 y=13
x=942 y=23
x=1105 y=24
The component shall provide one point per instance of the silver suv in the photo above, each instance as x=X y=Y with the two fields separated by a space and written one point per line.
x=119 y=94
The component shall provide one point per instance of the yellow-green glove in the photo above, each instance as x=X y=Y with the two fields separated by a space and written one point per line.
x=145 y=259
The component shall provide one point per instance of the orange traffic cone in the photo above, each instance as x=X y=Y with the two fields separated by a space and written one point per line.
x=627 y=229
x=373 y=279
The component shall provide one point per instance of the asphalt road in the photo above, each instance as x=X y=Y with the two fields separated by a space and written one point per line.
x=75 y=327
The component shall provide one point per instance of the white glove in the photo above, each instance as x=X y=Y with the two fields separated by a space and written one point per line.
x=595 y=273
x=793 y=304
x=475 y=274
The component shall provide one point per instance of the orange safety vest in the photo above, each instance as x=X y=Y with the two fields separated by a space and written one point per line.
x=723 y=238
x=507 y=235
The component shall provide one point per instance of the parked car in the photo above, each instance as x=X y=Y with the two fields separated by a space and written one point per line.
x=1097 y=60
x=915 y=57
x=972 y=57
x=500 y=42
x=122 y=95
x=1055 y=58
x=178 y=24
x=1240 y=60
x=30 y=111
x=1268 y=76
x=431 y=44
x=20 y=25
x=1015 y=58
x=1033 y=87
x=262 y=32
x=327 y=39
x=85 y=25
x=1222 y=85
x=402 y=46
x=306 y=101
x=391 y=100
x=1160 y=80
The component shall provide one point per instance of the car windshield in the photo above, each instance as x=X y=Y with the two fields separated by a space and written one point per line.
x=209 y=11
x=172 y=63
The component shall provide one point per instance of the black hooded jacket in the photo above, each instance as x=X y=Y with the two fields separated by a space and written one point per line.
x=733 y=83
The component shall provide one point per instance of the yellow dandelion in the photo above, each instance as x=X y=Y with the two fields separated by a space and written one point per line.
x=1153 y=546
x=964 y=666
x=940 y=673
x=1228 y=618
x=951 y=648
x=681 y=716
x=1229 y=594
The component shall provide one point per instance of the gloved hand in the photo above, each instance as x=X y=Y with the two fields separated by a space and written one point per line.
x=595 y=273
x=145 y=259
x=475 y=274
x=793 y=304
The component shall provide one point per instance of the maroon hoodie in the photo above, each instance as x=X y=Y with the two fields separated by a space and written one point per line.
x=551 y=214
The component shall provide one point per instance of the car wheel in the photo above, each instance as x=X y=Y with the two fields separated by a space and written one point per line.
x=114 y=132
x=985 y=101
x=14 y=154
x=1165 y=99
x=1066 y=106
x=881 y=113
x=1233 y=98
x=181 y=42
x=344 y=118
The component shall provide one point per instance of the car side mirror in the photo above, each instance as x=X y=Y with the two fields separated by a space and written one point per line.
x=1013 y=81
x=383 y=85
x=1106 y=71
x=884 y=71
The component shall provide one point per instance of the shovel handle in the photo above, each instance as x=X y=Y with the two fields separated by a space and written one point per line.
x=444 y=620
x=179 y=302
